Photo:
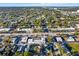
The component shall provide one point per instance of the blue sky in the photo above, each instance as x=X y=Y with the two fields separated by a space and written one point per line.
x=37 y=4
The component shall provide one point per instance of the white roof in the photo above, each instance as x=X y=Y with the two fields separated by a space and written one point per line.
x=71 y=28
x=30 y=41
x=24 y=39
x=59 y=39
x=77 y=10
x=4 y=29
x=77 y=25
x=25 y=29
x=70 y=39
x=36 y=41
x=13 y=40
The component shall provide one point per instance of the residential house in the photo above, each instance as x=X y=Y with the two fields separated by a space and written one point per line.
x=36 y=41
x=28 y=30
x=4 y=29
x=58 y=39
x=71 y=38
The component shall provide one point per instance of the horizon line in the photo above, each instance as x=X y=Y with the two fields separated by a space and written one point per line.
x=39 y=4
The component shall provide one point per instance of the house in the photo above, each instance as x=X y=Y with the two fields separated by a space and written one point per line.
x=58 y=39
x=13 y=40
x=36 y=40
x=28 y=30
x=77 y=25
x=4 y=29
x=71 y=38
x=24 y=39
x=43 y=40
x=30 y=40
x=63 y=29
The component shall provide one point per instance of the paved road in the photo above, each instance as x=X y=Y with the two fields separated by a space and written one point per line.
x=8 y=34
x=15 y=34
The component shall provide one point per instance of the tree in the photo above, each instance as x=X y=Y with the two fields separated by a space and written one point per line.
x=6 y=24
x=49 y=39
x=50 y=19
x=7 y=41
x=27 y=53
x=37 y=22
x=17 y=53
x=35 y=30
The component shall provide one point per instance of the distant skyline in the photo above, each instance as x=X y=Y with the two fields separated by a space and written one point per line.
x=39 y=4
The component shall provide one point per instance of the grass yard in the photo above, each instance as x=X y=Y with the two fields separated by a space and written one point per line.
x=75 y=47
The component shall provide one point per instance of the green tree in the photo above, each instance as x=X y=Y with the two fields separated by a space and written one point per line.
x=49 y=39
x=27 y=53
x=37 y=22
x=17 y=53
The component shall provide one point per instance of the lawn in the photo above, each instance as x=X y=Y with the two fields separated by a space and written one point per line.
x=75 y=47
